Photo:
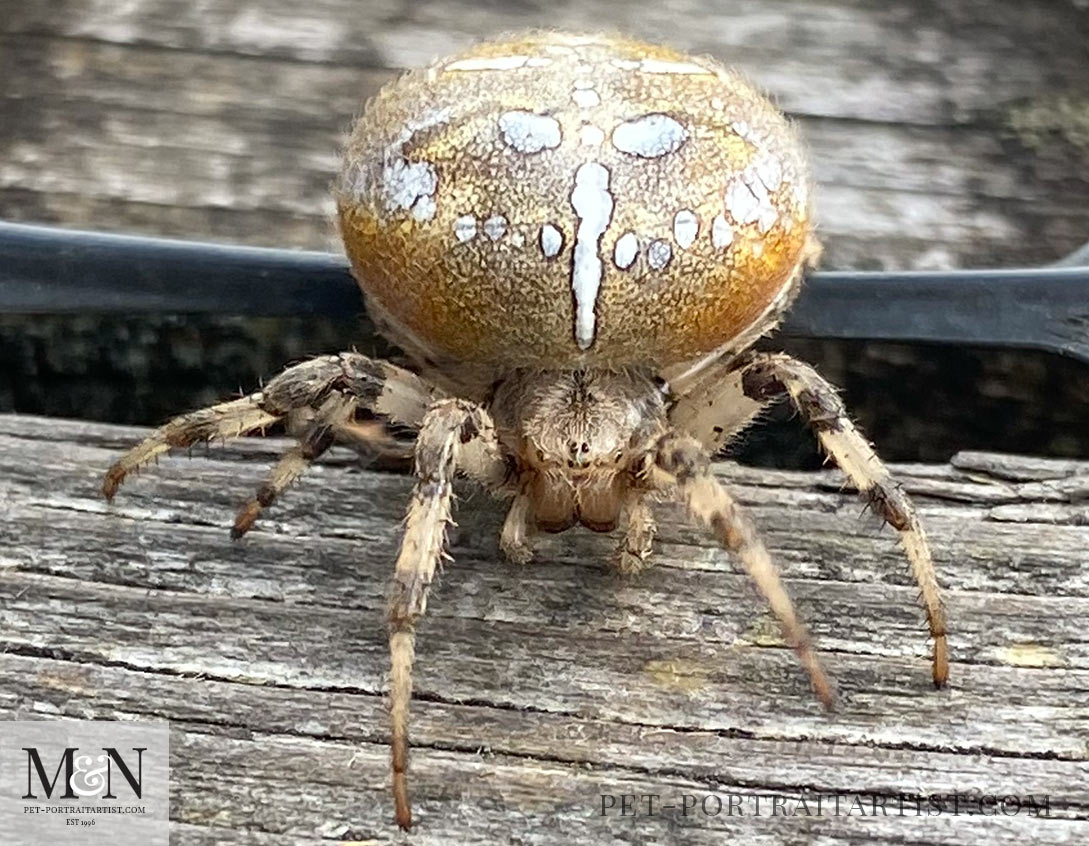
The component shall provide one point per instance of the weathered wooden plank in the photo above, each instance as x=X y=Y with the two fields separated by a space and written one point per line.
x=1054 y=551
x=545 y=804
x=1016 y=468
x=542 y=687
x=254 y=227
x=59 y=687
x=703 y=680
x=265 y=760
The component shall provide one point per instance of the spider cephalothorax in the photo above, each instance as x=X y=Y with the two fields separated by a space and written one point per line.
x=575 y=239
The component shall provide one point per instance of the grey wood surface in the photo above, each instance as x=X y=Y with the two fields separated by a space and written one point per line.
x=544 y=687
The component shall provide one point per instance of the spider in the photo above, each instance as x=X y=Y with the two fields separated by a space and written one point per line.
x=576 y=240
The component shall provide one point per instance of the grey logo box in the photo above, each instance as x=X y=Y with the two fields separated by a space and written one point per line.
x=84 y=782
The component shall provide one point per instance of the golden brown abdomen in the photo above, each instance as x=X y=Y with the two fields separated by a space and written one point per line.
x=562 y=201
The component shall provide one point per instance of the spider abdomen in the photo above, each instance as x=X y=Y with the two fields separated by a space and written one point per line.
x=571 y=201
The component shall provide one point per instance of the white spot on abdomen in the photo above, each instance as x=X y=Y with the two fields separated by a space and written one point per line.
x=424 y=208
x=497 y=63
x=625 y=251
x=593 y=204
x=770 y=171
x=658 y=66
x=586 y=98
x=658 y=254
x=743 y=200
x=722 y=234
x=591 y=136
x=686 y=226
x=743 y=130
x=495 y=226
x=465 y=228
x=527 y=132
x=403 y=183
x=649 y=136
x=551 y=240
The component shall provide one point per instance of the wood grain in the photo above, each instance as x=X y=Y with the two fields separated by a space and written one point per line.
x=542 y=688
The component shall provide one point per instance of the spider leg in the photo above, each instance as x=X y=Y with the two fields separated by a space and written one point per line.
x=517 y=528
x=318 y=437
x=388 y=390
x=225 y=420
x=372 y=439
x=685 y=463
x=639 y=529
x=455 y=435
x=711 y=406
x=766 y=376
